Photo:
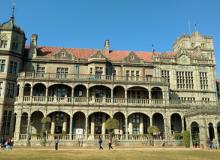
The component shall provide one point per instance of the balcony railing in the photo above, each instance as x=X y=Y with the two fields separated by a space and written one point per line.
x=107 y=101
x=88 y=77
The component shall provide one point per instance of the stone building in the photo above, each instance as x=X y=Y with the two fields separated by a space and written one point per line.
x=79 y=89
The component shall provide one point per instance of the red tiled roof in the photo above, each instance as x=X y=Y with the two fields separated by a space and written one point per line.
x=114 y=55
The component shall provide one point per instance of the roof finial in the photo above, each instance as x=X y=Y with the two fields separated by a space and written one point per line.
x=196 y=27
x=13 y=11
x=153 y=49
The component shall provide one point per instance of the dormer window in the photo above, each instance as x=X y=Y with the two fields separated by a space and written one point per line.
x=63 y=54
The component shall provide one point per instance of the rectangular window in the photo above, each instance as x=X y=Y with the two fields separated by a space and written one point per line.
x=205 y=100
x=10 y=90
x=13 y=67
x=90 y=71
x=1 y=88
x=166 y=75
x=203 y=80
x=127 y=75
x=3 y=43
x=187 y=99
x=40 y=71
x=184 y=80
x=2 y=65
x=132 y=75
x=114 y=74
x=98 y=72
x=62 y=73
x=137 y=75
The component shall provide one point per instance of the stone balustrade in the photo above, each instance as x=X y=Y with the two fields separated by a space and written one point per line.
x=107 y=101
x=88 y=77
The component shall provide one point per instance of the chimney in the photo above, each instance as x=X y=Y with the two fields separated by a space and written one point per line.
x=107 y=44
x=33 y=46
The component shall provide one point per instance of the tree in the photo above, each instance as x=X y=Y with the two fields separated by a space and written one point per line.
x=152 y=130
x=186 y=138
x=45 y=126
x=111 y=124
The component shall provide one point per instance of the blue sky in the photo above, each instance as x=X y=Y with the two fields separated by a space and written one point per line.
x=129 y=24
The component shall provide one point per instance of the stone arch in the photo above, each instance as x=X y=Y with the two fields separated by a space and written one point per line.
x=137 y=92
x=176 y=123
x=118 y=92
x=39 y=89
x=97 y=123
x=158 y=121
x=138 y=123
x=27 y=89
x=78 y=122
x=60 y=90
x=156 y=93
x=211 y=131
x=24 y=123
x=36 y=125
x=121 y=119
x=100 y=91
x=60 y=122
x=80 y=90
x=195 y=134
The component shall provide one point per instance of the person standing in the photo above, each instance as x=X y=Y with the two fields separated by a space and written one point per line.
x=56 y=144
x=100 y=143
x=110 y=143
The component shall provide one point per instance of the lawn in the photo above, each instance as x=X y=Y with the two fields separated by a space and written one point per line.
x=116 y=154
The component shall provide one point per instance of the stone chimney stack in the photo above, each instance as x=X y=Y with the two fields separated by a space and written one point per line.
x=33 y=46
x=107 y=44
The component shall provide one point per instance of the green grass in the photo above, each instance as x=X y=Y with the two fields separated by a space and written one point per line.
x=116 y=154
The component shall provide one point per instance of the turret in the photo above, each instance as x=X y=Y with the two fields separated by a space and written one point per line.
x=33 y=46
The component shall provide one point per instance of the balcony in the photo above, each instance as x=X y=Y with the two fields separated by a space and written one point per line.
x=89 y=78
x=108 y=101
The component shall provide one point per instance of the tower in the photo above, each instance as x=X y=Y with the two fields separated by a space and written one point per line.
x=12 y=44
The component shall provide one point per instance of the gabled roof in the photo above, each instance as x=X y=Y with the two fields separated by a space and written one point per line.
x=113 y=55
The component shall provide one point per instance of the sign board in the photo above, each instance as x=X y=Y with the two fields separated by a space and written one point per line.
x=79 y=131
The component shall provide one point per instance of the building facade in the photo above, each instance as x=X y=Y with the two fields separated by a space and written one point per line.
x=79 y=89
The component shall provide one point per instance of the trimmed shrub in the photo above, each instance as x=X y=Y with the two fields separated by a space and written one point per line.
x=186 y=138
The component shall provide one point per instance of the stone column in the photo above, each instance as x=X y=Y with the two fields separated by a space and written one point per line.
x=112 y=96
x=46 y=98
x=126 y=128
x=17 y=126
x=203 y=134
x=53 y=124
x=141 y=124
x=64 y=123
x=29 y=125
x=167 y=128
x=151 y=120
x=103 y=125
x=71 y=127
x=150 y=102
x=86 y=127
x=87 y=94
x=182 y=123
x=130 y=126
x=92 y=125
